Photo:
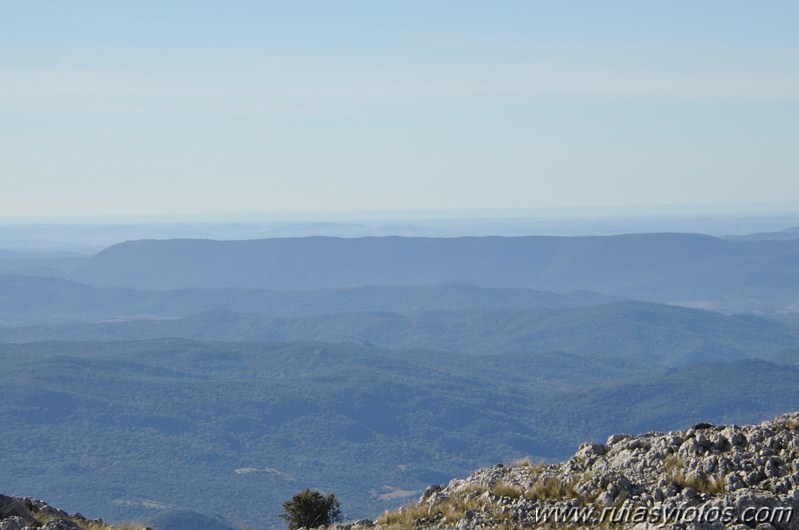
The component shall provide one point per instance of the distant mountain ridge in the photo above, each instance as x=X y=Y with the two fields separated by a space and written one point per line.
x=689 y=269
x=782 y=235
x=375 y=365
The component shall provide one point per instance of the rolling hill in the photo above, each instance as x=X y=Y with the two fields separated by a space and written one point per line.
x=178 y=425
x=47 y=300
x=660 y=334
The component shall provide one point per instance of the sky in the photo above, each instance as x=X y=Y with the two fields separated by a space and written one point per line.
x=222 y=108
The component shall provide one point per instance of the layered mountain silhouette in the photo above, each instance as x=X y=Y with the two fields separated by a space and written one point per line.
x=674 y=268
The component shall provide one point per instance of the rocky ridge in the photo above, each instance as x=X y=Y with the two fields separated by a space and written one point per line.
x=18 y=513
x=707 y=477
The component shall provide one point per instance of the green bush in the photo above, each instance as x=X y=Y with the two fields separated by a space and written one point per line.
x=311 y=509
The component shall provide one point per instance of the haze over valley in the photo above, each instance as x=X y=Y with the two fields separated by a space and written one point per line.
x=415 y=359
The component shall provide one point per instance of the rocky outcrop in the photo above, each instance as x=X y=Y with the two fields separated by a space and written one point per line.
x=704 y=478
x=31 y=514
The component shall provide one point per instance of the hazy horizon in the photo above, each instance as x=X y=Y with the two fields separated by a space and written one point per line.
x=193 y=109
x=88 y=235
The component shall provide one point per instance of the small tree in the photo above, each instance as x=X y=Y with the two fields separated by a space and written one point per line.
x=311 y=509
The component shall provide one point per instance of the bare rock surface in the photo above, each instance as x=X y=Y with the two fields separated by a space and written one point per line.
x=703 y=478
x=25 y=513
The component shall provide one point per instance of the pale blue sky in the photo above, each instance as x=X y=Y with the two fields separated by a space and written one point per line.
x=260 y=107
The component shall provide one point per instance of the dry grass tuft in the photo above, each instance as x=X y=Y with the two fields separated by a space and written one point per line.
x=673 y=465
x=407 y=516
x=506 y=489
x=522 y=462
x=552 y=489
x=791 y=423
